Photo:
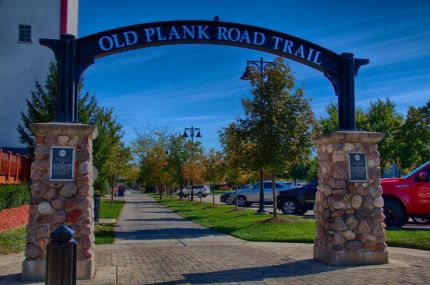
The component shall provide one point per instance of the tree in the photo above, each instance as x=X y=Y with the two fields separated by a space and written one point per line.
x=237 y=153
x=413 y=138
x=330 y=123
x=41 y=108
x=118 y=164
x=42 y=105
x=380 y=117
x=304 y=170
x=214 y=168
x=278 y=121
x=161 y=156
x=105 y=146
x=150 y=150
x=383 y=117
x=177 y=156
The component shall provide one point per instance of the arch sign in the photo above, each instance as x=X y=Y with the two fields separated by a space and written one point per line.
x=75 y=55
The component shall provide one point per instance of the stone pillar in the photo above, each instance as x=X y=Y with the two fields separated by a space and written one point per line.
x=350 y=227
x=54 y=203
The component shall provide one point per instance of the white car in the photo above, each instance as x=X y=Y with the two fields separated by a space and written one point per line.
x=198 y=190
x=251 y=194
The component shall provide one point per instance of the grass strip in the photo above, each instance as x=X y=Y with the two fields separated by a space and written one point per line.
x=104 y=234
x=245 y=224
x=12 y=241
x=110 y=210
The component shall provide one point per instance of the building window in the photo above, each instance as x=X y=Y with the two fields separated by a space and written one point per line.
x=24 y=34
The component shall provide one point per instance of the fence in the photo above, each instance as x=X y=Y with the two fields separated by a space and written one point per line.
x=14 y=168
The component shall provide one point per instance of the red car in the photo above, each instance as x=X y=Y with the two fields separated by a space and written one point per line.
x=406 y=197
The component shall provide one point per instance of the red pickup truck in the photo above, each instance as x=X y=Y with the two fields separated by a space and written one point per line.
x=408 y=196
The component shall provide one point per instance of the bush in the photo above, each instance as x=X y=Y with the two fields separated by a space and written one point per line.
x=14 y=195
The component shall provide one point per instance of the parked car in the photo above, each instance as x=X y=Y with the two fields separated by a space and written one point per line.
x=251 y=194
x=298 y=200
x=225 y=198
x=198 y=190
x=408 y=196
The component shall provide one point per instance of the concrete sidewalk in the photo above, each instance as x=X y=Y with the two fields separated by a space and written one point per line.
x=156 y=246
x=145 y=220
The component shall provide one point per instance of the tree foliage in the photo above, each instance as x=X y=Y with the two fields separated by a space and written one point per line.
x=278 y=119
x=214 y=167
x=161 y=157
x=405 y=141
x=413 y=138
x=41 y=108
x=237 y=153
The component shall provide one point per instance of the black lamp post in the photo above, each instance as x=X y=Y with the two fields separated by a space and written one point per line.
x=261 y=66
x=192 y=131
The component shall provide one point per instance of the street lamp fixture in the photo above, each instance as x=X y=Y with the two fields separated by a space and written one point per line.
x=192 y=132
x=261 y=66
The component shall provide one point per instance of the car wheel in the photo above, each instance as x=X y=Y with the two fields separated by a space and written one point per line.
x=395 y=217
x=180 y=194
x=200 y=194
x=289 y=207
x=421 y=220
x=241 y=201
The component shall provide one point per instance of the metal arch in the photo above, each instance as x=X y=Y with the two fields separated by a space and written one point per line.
x=75 y=55
x=88 y=46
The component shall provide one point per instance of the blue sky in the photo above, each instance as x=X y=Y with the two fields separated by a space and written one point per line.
x=199 y=85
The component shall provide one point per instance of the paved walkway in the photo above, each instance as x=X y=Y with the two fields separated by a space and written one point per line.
x=156 y=246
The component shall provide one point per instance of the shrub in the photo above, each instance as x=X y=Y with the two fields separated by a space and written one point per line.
x=14 y=195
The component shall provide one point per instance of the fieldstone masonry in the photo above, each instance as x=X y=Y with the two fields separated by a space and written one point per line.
x=56 y=203
x=349 y=216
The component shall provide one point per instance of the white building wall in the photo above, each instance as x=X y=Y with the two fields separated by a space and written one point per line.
x=73 y=16
x=23 y=63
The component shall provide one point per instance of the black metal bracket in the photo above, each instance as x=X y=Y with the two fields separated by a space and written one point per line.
x=67 y=97
x=344 y=88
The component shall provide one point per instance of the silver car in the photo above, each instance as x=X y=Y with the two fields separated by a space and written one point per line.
x=199 y=190
x=251 y=194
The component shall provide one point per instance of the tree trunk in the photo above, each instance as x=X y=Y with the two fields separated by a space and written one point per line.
x=213 y=194
x=275 y=212
x=235 y=207
x=261 y=200
x=112 y=187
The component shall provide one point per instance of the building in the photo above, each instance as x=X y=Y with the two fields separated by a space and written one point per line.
x=23 y=60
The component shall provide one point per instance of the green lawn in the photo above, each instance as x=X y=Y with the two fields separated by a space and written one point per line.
x=246 y=225
x=108 y=210
x=419 y=239
x=13 y=240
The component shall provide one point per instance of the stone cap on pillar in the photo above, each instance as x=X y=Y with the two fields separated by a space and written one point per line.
x=350 y=136
x=54 y=128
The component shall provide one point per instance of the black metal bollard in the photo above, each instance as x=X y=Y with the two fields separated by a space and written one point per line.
x=97 y=197
x=61 y=258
